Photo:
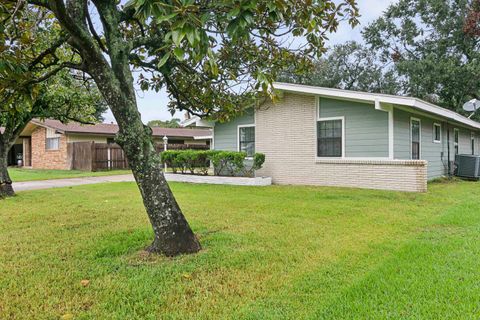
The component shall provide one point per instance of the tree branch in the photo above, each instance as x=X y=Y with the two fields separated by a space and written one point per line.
x=49 y=51
x=94 y=33
x=178 y=95
x=48 y=75
x=41 y=3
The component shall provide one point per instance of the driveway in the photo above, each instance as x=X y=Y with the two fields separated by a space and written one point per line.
x=61 y=183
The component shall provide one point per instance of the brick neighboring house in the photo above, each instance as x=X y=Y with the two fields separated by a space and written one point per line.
x=49 y=144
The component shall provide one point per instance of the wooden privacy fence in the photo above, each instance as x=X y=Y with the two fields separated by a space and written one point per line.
x=109 y=157
x=81 y=155
x=91 y=156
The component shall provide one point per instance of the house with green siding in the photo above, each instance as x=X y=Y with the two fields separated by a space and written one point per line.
x=331 y=137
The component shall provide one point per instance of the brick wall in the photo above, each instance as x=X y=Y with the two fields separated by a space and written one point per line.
x=48 y=159
x=286 y=134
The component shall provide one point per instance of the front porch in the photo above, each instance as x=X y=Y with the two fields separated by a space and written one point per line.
x=21 y=153
x=22 y=149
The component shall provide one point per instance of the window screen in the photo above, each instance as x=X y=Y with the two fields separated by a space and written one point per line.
x=415 y=127
x=52 y=141
x=247 y=140
x=329 y=138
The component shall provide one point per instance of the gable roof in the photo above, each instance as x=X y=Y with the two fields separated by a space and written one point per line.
x=112 y=129
x=377 y=98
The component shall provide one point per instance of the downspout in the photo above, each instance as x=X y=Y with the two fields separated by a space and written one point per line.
x=449 y=166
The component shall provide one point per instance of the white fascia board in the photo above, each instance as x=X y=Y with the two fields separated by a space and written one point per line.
x=197 y=121
x=187 y=122
x=202 y=138
x=452 y=115
x=377 y=99
x=43 y=125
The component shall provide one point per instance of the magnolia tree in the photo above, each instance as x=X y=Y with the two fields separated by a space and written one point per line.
x=35 y=80
x=210 y=56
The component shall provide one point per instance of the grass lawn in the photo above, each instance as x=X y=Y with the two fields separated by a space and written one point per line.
x=269 y=253
x=18 y=175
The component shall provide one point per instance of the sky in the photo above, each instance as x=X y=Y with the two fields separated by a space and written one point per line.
x=153 y=105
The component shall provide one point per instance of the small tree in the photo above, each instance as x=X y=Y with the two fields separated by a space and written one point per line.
x=34 y=82
x=209 y=55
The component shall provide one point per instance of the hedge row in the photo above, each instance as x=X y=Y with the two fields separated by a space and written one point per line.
x=228 y=163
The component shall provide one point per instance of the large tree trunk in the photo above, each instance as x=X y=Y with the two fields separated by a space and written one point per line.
x=6 y=189
x=13 y=127
x=173 y=235
x=114 y=79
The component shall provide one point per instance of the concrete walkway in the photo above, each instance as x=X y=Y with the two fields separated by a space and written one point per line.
x=62 y=183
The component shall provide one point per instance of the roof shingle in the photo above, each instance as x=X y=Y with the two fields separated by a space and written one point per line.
x=112 y=129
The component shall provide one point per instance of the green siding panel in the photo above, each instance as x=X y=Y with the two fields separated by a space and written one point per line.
x=435 y=153
x=366 y=129
x=225 y=134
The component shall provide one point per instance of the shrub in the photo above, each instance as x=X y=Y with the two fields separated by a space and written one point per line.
x=203 y=162
x=258 y=161
x=172 y=160
x=229 y=163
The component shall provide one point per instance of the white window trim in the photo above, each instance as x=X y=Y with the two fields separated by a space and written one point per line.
x=391 y=132
x=473 y=143
x=238 y=136
x=419 y=138
x=456 y=143
x=343 y=137
x=436 y=124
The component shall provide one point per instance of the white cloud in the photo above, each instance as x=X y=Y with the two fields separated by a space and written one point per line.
x=153 y=105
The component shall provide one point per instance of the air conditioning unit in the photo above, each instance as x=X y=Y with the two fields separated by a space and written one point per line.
x=468 y=166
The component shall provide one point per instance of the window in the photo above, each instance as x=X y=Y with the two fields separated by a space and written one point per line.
x=455 y=140
x=246 y=139
x=415 y=128
x=472 y=141
x=437 y=133
x=110 y=140
x=330 y=137
x=52 y=141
